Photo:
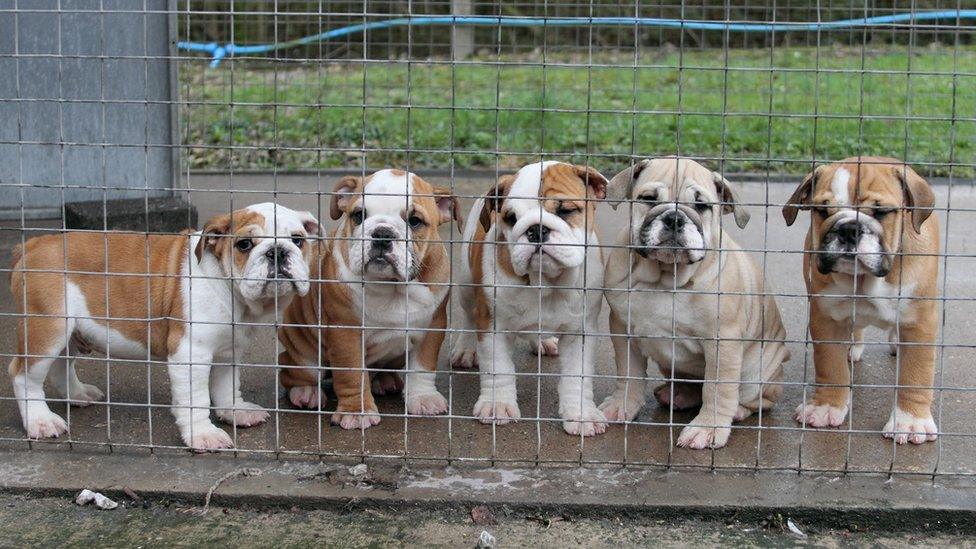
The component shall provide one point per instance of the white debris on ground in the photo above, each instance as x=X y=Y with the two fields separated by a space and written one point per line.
x=359 y=470
x=486 y=540
x=87 y=496
x=794 y=528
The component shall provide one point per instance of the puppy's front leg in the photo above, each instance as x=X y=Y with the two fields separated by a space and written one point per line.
x=911 y=419
x=628 y=399
x=576 y=405
x=498 y=401
x=356 y=408
x=230 y=406
x=189 y=375
x=422 y=396
x=828 y=406
x=720 y=394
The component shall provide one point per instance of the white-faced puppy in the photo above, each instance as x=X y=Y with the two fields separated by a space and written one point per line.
x=178 y=296
x=386 y=269
x=529 y=243
x=685 y=297
x=872 y=259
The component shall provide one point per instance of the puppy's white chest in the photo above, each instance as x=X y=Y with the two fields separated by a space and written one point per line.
x=532 y=309
x=665 y=325
x=876 y=303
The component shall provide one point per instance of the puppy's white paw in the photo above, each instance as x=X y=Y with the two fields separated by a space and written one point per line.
x=306 y=396
x=386 y=383
x=588 y=422
x=549 y=347
x=45 y=424
x=430 y=404
x=207 y=437
x=464 y=356
x=352 y=420
x=84 y=394
x=244 y=414
x=855 y=352
x=820 y=415
x=741 y=413
x=498 y=412
x=905 y=427
x=704 y=433
x=617 y=407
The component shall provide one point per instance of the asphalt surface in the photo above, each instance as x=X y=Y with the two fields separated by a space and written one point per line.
x=130 y=425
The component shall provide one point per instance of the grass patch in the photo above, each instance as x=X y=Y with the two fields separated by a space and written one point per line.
x=754 y=110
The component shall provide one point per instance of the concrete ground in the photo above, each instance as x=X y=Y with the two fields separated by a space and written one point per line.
x=127 y=423
x=168 y=523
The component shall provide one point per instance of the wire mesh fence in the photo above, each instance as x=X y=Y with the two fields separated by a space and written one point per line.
x=552 y=286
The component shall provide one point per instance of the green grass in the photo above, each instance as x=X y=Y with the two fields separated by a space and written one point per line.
x=779 y=113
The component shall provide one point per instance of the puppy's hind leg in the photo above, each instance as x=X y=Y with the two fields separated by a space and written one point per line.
x=65 y=380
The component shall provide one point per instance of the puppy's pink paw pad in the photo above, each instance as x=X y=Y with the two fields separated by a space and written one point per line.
x=208 y=438
x=549 y=347
x=46 y=425
x=588 y=423
x=355 y=421
x=698 y=437
x=306 y=396
x=616 y=408
x=904 y=427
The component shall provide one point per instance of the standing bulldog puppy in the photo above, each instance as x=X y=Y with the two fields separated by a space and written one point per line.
x=689 y=294
x=380 y=295
x=530 y=266
x=180 y=297
x=872 y=259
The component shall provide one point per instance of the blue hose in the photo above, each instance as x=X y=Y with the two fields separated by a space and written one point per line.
x=218 y=52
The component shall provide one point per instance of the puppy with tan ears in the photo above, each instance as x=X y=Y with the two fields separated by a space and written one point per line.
x=532 y=263
x=872 y=259
x=387 y=270
x=177 y=298
x=696 y=313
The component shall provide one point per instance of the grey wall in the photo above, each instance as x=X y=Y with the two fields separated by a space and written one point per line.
x=78 y=118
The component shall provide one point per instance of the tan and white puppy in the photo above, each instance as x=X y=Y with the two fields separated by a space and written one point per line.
x=872 y=259
x=696 y=313
x=386 y=269
x=180 y=296
x=532 y=263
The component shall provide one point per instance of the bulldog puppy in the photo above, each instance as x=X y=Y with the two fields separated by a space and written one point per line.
x=387 y=270
x=872 y=259
x=532 y=264
x=178 y=296
x=695 y=312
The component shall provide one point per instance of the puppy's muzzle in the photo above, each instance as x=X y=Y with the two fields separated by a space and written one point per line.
x=537 y=234
x=383 y=238
x=842 y=243
x=277 y=257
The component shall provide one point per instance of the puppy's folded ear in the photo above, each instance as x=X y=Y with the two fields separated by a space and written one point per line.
x=213 y=236
x=448 y=207
x=344 y=194
x=593 y=179
x=918 y=195
x=801 y=197
x=621 y=184
x=493 y=199
x=312 y=225
x=729 y=196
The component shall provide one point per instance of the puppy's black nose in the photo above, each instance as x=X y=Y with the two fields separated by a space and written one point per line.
x=537 y=233
x=277 y=255
x=849 y=232
x=673 y=220
x=383 y=238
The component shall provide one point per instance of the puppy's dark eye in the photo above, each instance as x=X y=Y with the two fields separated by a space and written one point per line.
x=880 y=213
x=357 y=217
x=648 y=197
x=244 y=245
x=701 y=205
x=819 y=210
x=298 y=240
x=415 y=222
x=509 y=218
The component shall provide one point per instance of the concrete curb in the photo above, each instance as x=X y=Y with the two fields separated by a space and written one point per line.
x=853 y=501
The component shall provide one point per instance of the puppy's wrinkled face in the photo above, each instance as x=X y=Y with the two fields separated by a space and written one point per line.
x=671 y=223
x=264 y=248
x=676 y=208
x=390 y=221
x=858 y=213
x=545 y=215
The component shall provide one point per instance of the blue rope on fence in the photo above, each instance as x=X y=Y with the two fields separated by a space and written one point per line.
x=218 y=51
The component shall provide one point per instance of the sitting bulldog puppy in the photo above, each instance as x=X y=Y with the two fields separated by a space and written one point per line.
x=695 y=312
